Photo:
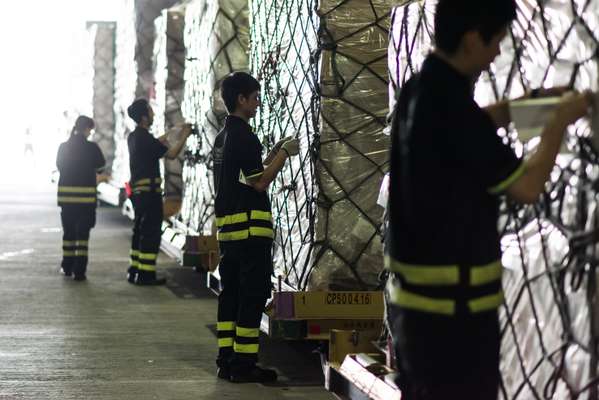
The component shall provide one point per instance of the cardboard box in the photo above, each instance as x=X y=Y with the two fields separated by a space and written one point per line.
x=203 y=250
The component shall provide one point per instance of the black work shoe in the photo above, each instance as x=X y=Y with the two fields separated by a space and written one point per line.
x=223 y=373
x=66 y=272
x=255 y=374
x=131 y=277
x=79 y=278
x=150 y=282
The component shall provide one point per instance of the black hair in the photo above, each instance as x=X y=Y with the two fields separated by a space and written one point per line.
x=81 y=123
x=237 y=83
x=138 y=109
x=453 y=18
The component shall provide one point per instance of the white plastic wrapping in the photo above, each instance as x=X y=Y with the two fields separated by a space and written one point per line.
x=102 y=35
x=216 y=38
x=169 y=69
x=324 y=75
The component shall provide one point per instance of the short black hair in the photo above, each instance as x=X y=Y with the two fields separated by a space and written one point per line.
x=138 y=109
x=453 y=18
x=82 y=123
x=235 y=84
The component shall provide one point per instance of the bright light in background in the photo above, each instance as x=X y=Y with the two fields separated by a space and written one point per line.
x=43 y=60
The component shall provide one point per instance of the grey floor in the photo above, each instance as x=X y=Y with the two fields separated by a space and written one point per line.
x=104 y=338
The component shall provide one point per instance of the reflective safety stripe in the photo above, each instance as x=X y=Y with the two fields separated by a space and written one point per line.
x=75 y=200
x=247 y=332
x=486 y=274
x=231 y=219
x=421 y=303
x=80 y=253
x=133 y=253
x=503 y=185
x=245 y=348
x=444 y=275
x=146 y=267
x=81 y=243
x=134 y=263
x=225 y=342
x=261 y=215
x=225 y=326
x=147 y=181
x=148 y=256
x=235 y=235
x=486 y=303
x=262 y=232
x=441 y=275
x=68 y=254
x=77 y=189
x=67 y=243
x=147 y=189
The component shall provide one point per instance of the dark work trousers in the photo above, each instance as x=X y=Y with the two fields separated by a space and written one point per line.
x=77 y=222
x=145 y=242
x=441 y=357
x=245 y=271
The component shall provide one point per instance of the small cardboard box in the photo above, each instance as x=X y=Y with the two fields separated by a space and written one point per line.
x=203 y=250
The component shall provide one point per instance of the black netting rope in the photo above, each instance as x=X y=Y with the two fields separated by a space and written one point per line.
x=226 y=31
x=288 y=34
x=566 y=282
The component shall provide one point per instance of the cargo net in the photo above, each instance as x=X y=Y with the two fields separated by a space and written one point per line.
x=323 y=70
x=549 y=319
x=216 y=38
x=169 y=68
x=102 y=35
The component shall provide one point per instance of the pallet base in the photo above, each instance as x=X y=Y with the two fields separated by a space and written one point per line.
x=361 y=377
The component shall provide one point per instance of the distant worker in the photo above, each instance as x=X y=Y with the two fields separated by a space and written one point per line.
x=448 y=169
x=245 y=230
x=28 y=143
x=78 y=162
x=145 y=152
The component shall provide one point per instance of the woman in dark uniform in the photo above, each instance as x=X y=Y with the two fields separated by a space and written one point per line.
x=78 y=161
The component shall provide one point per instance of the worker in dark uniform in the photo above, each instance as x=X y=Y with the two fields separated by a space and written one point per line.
x=448 y=167
x=145 y=152
x=245 y=230
x=78 y=162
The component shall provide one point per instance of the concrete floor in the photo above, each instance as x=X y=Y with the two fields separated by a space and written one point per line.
x=104 y=338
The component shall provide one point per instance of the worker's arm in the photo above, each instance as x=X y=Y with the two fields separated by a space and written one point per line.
x=275 y=150
x=527 y=188
x=261 y=182
x=174 y=151
x=500 y=111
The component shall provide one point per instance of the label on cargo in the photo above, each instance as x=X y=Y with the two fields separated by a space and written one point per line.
x=343 y=305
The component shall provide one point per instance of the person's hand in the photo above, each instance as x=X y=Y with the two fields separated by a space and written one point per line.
x=278 y=145
x=291 y=147
x=186 y=129
x=102 y=178
x=574 y=106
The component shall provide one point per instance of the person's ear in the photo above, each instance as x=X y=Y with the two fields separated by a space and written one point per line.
x=471 y=42
x=241 y=99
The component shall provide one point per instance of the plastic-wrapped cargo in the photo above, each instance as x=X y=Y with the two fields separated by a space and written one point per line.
x=549 y=321
x=169 y=68
x=323 y=67
x=102 y=36
x=217 y=40
x=134 y=70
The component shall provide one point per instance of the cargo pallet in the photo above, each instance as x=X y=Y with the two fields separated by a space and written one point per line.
x=349 y=323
